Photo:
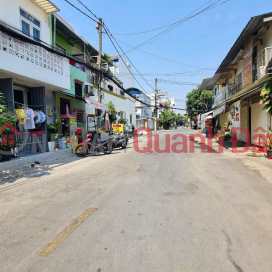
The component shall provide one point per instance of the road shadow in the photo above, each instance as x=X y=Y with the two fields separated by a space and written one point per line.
x=33 y=170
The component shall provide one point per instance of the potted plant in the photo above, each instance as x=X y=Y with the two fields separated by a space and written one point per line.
x=227 y=136
x=227 y=125
x=269 y=144
x=52 y=129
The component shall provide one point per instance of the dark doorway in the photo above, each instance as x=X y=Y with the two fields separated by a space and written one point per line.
x=18 y=97
x=78 y=90
x=63 y=103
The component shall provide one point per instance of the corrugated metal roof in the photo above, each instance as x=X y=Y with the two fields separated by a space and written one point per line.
x=206 y=85
x=248 y=31
x=46 y=5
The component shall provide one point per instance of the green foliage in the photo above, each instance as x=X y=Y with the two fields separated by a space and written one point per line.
x=198 y=101
x=107 y=58
x=266 y=96
x=127 y=127
x=227 y=124
x=3 y=107
x=51 y=129
x=111 y=106
x=6 y=116
x=179 y=118
x=167 y=118
x=112 y=117
x=269 y=138
x=227 y=136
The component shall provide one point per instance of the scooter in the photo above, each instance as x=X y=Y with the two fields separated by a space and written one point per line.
x=93 y=147
x=119 y=141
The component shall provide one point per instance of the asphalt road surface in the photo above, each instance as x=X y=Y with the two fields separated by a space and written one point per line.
x=139 y=212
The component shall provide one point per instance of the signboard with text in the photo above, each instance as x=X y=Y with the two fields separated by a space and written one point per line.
x=117 y=128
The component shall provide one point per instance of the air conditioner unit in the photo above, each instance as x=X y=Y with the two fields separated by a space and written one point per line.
x=89 y=90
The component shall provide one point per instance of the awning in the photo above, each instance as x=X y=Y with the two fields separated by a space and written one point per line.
x=46 y=5
x=219 y=110
x=206 y=114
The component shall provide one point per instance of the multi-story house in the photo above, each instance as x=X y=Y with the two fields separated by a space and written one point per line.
x=241 y=76
x=122 y=71
x=30 y=69
x=143 y=112
x=84 y=81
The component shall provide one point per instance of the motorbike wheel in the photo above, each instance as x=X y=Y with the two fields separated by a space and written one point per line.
x=124 y=145
x=81 y=151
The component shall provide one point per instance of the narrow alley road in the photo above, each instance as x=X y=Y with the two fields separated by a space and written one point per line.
x=133 y=212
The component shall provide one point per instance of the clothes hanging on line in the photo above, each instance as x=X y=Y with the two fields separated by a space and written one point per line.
x=21 y=116
x=29 y=119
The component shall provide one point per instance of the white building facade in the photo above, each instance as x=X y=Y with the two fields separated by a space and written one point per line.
x=30 y=70
x=122 y=71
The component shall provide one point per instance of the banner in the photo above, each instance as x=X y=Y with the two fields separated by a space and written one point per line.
x=96 y=105
x=117 y=128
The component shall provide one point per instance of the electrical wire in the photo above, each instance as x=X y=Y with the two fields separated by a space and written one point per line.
x=113 y=80
x=123 y=59
x=81 y=11
x=171 y=74
x=112 y=37
x=183 y=20
x=173 y=61
x=154 y=29
x=81 y=3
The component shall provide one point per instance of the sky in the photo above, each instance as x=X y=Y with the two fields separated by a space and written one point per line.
x=202 y=41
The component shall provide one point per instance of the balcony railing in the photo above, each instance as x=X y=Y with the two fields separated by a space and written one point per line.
x=236 y=85
x=260 y=63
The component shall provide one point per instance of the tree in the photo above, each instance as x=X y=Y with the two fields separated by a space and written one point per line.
x=179 y=118
x=107 y=59
x=198 y=101
x=167 y=118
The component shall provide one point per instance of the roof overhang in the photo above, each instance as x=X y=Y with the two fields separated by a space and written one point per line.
x=252 y=26
x=73 y=37
x=46 y=5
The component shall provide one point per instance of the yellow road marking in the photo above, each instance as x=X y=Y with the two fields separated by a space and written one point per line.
x=53 y=244
x=135 y=169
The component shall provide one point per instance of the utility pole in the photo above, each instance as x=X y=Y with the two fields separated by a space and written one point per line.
x=99 y=59
x=155 y=109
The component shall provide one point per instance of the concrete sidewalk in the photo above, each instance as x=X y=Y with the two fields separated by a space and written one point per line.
x=28 y=160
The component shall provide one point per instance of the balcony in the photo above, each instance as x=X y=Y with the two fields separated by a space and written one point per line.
x=32 y=63
x=235 y=86
x=260 y=63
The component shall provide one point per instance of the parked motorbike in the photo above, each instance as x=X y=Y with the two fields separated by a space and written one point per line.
x=93 y=146
x=119 y=141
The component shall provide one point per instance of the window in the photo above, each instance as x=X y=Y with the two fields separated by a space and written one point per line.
x=80 y=116
x=78 y=90
x=121 y=115
x=26 y=28
x=30 y=25
x=130 y=118
x=36 y=34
